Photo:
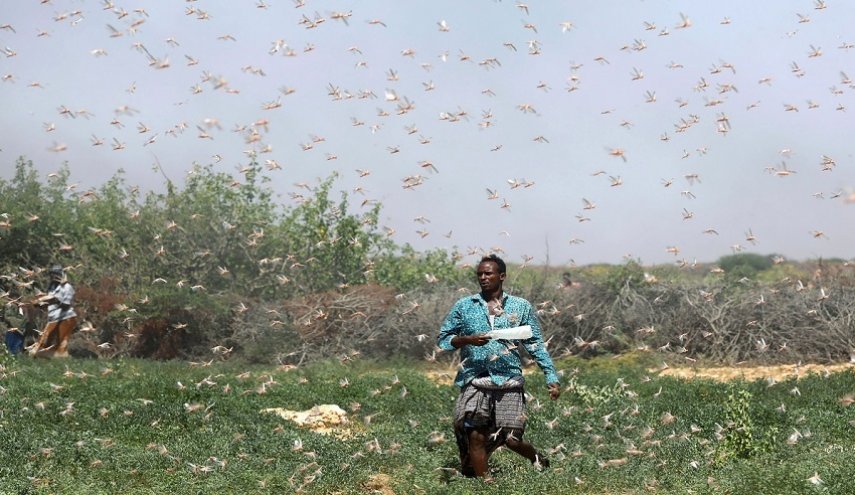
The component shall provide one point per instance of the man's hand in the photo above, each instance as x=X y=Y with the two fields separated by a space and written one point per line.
x=554 y=391
x=476 y=340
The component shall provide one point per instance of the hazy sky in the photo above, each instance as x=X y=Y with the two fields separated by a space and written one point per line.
x=723 y=112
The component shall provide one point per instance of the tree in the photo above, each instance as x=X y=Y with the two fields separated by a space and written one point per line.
x=744 y=265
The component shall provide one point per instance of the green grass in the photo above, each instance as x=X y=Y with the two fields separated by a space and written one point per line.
x=111 y=441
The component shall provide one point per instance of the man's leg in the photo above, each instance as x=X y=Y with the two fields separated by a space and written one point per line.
x=66 y=327
x=462 y=437
x=478 y=451
x=522 y=448
x=45 y=338
x=526 y=450
x=511 y=412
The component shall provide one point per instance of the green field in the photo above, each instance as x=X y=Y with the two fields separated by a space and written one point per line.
x=135 y=426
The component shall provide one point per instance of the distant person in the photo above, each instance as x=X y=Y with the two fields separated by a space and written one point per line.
x=490 y=410
x=567 y=282
x=61 y=316
x=12 y=318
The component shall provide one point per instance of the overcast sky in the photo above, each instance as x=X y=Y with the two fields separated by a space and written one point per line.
x=661 y=130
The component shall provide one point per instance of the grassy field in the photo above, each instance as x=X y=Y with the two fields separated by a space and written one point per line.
x=133 y=426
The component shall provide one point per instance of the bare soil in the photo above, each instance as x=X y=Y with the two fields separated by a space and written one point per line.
x=753 y=373
x=380 y=483
x=445 y=376
x=328 y=419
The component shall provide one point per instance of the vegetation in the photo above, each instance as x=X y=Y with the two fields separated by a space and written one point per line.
x=744 y=265
x=141 y=426
x=218 y=264
x=241 y=304
x=173 y=274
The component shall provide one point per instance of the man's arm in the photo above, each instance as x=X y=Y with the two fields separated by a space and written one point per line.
x=450 y=329
x=449 y=334
x=462 y=340
x=537 y=348
x=46 y=300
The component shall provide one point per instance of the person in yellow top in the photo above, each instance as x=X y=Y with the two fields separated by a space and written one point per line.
x=61 y=316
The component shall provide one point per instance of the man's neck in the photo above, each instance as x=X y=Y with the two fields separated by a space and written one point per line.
x=492 y=296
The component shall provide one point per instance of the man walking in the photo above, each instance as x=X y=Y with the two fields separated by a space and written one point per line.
x=490 y=411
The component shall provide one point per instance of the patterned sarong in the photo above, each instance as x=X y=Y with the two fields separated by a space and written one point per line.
x=499 y=411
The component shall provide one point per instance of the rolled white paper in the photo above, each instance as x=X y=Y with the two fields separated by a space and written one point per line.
x=515 y=333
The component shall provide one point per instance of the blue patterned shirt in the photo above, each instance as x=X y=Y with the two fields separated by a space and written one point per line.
x=500 y=359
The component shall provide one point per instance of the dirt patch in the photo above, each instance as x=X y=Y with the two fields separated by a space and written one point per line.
x=752 y=373
x=441 y=376
x=328 y=419
x=445 y=375
x=380 y=483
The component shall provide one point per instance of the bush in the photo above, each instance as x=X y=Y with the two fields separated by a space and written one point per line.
x=744 y=265
x=742 y=438
x=630 y=276
x=212 y=242
x=406 y=269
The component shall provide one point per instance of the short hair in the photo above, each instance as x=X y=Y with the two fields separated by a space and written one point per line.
x=55 y=269
x=498 y=261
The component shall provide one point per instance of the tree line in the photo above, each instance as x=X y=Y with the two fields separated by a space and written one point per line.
x=217 y=268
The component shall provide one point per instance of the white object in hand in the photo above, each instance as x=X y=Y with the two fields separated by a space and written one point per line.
x=515 y=333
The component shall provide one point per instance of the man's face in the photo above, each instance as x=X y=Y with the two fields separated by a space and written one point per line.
x=489 y=277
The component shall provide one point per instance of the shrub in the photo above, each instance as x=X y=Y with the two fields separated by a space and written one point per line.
x=742 y=437
x=406 y=269
x=744 y=265
x=630 y=275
